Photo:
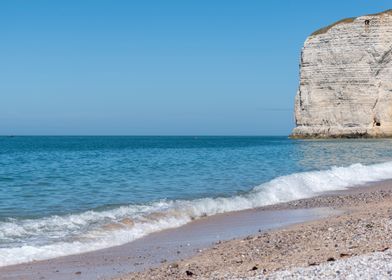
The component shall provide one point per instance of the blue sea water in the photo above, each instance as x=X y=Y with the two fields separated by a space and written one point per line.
x=59 y=194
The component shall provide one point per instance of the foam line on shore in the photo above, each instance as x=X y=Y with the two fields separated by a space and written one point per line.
x=54 y=236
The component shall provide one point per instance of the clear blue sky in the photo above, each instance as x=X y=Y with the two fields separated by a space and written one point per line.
x=157 y=67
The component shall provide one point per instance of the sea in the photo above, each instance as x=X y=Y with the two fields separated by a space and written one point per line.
x=69 y=195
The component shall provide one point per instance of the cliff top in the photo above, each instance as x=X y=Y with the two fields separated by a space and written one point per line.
x=346 y=20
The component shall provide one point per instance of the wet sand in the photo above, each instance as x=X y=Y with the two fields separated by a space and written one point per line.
x=205 y=247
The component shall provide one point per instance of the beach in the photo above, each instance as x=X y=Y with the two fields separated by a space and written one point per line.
x=324 y=229
x=364 y=226
x=191 y=140
x=161 y=247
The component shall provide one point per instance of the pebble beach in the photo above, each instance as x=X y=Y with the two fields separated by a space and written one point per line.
x=354 y=243
x=370 y=266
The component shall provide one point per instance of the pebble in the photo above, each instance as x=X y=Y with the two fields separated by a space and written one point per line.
x=370 y=266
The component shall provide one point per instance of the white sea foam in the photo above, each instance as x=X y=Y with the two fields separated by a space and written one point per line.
x=54 y=236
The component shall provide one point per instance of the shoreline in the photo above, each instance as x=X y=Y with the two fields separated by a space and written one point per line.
x=364 y=226
x=165 y=246
x=146 y=258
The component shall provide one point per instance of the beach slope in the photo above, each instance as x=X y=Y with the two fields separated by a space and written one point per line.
x=364 y=226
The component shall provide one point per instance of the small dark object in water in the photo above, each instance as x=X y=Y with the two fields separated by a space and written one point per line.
x=255 y=268
x=189 y=273
x=331 y=259
x=78 y=272
x=367 y=22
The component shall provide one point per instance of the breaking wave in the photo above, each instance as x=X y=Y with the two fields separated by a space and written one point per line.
x=37 y=239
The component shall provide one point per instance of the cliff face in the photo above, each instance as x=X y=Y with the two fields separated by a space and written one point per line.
x=346 y=80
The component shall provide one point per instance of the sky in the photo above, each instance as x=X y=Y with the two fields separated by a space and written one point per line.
x=194 y=67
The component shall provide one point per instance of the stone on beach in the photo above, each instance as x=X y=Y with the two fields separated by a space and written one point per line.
x=371 y=266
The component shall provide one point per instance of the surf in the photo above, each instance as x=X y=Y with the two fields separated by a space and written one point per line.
x=25 y=240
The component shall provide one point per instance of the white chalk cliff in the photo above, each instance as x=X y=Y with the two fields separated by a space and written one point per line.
x=346 y=80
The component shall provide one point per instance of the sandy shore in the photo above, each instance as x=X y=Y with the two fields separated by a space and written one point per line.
x=364 y=226
x=161 y=247
x=267 y=240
